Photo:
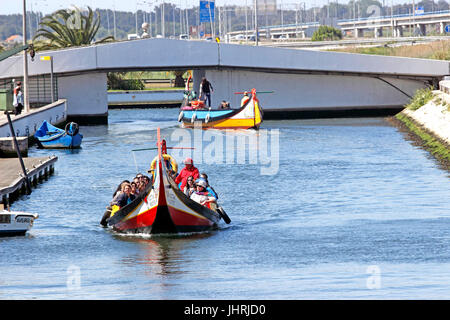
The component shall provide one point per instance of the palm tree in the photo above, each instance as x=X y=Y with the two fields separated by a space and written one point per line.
x=69 y=28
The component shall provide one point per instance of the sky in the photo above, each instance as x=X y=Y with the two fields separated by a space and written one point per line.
x=49 y=6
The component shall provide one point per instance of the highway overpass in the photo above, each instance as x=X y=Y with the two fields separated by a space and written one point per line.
x=418 y=24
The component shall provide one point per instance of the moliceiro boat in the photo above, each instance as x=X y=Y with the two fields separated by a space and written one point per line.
x=49 y=136
x=163 y=207
x=248 y=116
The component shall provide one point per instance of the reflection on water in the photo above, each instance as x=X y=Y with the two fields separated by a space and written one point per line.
x=161 y=254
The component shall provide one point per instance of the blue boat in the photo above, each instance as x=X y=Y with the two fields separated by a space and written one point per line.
x=49 y=136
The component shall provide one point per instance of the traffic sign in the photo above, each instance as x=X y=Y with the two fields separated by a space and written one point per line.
x=206 y=11
x=447 y=28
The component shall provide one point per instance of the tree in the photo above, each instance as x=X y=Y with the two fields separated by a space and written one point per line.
x=179 y=81
x=118 y=81
x=324 y=33
x=69 y=28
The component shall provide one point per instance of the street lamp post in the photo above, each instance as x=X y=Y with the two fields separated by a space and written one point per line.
x=256 y=22
x=50 y=58
x=25 y=59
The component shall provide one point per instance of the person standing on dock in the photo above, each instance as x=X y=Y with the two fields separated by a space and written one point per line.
x=205 y=91
x=18 y=98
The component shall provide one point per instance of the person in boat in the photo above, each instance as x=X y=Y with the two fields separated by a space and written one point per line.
x=124 y=197
x=245 y=99
x=146 y=180
x=210 y=189
x=120 y=188
x=189 y=189
x=173 y=174
x=224 y=105
x=201 y=195
x=188 y=170
x=116 y=195
x=134 y=189
x=205 y=91
x=141 y=187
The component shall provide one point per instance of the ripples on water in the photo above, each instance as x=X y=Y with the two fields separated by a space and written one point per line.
x=353 y=201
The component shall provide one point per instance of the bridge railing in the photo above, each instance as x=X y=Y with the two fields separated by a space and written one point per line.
x=291 y=25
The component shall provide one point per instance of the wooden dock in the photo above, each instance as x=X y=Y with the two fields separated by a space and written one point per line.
x=12 y=180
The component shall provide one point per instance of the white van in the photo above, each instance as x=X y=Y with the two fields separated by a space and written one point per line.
x=133 y=36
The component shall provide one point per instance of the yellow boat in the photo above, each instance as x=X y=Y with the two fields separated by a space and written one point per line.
x=248 y=116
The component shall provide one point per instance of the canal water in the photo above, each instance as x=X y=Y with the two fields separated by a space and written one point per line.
x=330 y=209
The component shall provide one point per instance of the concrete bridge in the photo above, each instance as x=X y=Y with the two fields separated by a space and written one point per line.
x=305 y=83
x=398 y=23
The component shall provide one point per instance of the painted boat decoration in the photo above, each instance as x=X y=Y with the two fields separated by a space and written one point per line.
x=248 y=116
x=163 y=207
x=16 y=223
x=49 y=136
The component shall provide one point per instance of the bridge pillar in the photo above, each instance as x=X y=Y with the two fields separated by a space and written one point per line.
x=398 y=31
x=87 y=98
x=358 y=33
x=441 y=27
x=378 y=32
x=422 y=29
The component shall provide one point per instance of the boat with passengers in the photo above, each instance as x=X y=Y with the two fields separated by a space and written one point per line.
x=162 y=207
x=193 y=112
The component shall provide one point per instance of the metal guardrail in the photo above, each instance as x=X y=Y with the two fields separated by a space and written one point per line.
x=406 y=15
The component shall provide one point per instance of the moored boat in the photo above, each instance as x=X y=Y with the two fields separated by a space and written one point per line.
x=15 y=223
x=163 y=207
x=49 y=136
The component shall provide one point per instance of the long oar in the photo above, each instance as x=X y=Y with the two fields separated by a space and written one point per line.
x=154 y=148
x=255 y=92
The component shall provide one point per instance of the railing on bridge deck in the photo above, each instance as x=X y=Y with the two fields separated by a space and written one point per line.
x=405 y=15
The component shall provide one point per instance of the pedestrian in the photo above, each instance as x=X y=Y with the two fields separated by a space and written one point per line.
x=205 y=91
x=18 y=98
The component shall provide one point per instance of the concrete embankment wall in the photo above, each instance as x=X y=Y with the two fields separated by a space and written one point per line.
x=431 y=123
x=26 y=124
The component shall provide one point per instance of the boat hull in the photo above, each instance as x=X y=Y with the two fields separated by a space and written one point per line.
x=63 y=142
